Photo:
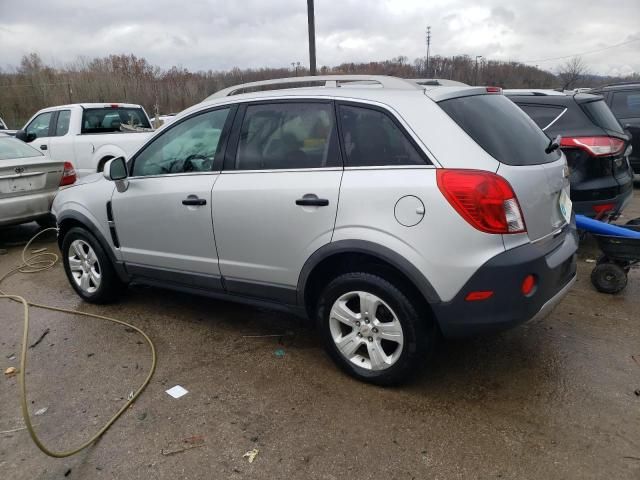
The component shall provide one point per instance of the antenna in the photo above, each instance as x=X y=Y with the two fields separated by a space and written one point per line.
x=428 y=48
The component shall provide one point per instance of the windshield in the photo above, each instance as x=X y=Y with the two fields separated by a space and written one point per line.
x=602 y=116
x=501 y=128
x=10 y=148
x=109 y=119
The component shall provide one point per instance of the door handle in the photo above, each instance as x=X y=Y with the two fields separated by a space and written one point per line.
x=43 y=147
x=194 y=200
x=312 y=200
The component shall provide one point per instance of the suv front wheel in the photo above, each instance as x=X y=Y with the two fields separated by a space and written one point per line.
x=372 y=330
x=88 y=267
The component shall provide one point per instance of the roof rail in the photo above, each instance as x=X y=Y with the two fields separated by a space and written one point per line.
x=329 y=81
x=615 y=84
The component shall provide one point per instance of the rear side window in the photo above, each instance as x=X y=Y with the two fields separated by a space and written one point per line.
x=109 y=119
x=287 y=136
x=543 y=115
x=626 y=104
x=62 y=126
x=500 y=128
x=602 y=116
x=372 y=138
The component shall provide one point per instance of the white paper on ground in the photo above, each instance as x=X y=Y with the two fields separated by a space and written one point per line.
x=177 y=391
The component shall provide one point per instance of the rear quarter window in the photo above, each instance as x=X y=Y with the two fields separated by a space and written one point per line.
x=501 y=129
x=543 y=115
x=602 y=116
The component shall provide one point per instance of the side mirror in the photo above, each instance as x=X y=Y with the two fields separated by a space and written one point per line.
x=115 y=170
x=24 y=136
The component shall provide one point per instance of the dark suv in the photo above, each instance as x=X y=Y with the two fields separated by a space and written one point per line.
x=624 y=101
x=594 y=142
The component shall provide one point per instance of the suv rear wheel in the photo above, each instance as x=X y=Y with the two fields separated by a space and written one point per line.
x=372 y=330
x=88 y=267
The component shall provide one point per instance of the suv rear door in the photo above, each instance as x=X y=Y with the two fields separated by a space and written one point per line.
x=276 y=199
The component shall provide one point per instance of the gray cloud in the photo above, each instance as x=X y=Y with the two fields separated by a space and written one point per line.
x=218 y=34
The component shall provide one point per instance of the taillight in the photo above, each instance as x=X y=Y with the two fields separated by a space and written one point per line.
x=596 y=146
x=68 y=175
x=483 y=199
x=494 y=90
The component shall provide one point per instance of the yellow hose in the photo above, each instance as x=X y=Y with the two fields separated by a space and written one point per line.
x=39 y=261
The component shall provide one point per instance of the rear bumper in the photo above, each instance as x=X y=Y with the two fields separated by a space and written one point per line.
x=553 y=266
x=25 y=208
x=619 y=200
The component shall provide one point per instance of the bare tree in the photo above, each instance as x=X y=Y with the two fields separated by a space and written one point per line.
x=572 y=72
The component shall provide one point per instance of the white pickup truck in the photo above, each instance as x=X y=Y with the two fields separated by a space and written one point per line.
x=87 y=134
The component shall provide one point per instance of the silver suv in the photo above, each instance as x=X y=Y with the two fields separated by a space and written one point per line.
x=388 y=212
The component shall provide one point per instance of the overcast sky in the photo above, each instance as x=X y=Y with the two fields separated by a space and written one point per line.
x=219 y=34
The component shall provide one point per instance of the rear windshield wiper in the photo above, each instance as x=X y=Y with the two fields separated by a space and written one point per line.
x=553 y=144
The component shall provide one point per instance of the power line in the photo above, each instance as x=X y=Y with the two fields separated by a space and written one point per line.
x=584 y=53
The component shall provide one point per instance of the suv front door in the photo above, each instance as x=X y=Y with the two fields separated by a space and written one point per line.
x=163 y=219
x=275 y=202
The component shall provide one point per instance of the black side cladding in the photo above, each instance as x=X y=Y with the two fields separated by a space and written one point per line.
x=112 y=226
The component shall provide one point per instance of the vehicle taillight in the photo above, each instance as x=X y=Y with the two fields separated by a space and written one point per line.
x=68 y=175
x=483 y=199
x=494 y=90
x=595 y=146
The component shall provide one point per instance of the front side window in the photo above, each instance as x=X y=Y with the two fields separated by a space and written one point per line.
x=626 y=104
x=371 y=138
x=190 y=146
x=39 y=127
x=287 y=136
x=62 y=126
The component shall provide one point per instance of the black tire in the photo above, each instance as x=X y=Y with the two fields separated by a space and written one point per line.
x=418 y=329
x=47 y=221
x=609 y=278
x=110 y=287
x=635 y=221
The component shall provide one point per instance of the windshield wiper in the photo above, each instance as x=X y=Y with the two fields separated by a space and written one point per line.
x=553 y=144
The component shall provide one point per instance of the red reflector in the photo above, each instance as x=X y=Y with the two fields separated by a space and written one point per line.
x=494 y=90
x=528 y=285
x=68 y=175
x=595 y=146
x=483 y=199
x=479 y=295
x=606 y=207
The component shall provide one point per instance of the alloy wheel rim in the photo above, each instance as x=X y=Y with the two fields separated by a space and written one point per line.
x=84 y=266
x=366 y=331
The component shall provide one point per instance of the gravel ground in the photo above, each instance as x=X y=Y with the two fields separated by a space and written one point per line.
x=551 y=399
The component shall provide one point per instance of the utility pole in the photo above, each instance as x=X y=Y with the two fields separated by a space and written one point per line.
x=312 y=37
x=428 y=49
x=69 y=91
x=475 y=82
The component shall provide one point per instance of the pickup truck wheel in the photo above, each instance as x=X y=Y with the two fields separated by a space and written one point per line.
x=88 y=267
x=372 y=330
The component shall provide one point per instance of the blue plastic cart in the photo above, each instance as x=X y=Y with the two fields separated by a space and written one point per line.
x=620 y=247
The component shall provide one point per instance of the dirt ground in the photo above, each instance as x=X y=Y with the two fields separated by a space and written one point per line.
x=551 y=399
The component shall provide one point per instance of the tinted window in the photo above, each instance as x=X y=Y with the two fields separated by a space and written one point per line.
x=372 y=138
x=40 y=125
x=189 y=146
x=501 y=128
x=62 y=127
x=11 y=148
x=626 y=104
x=602 y=116
x=287 y=135
x=109 y=119
x=543 y=115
